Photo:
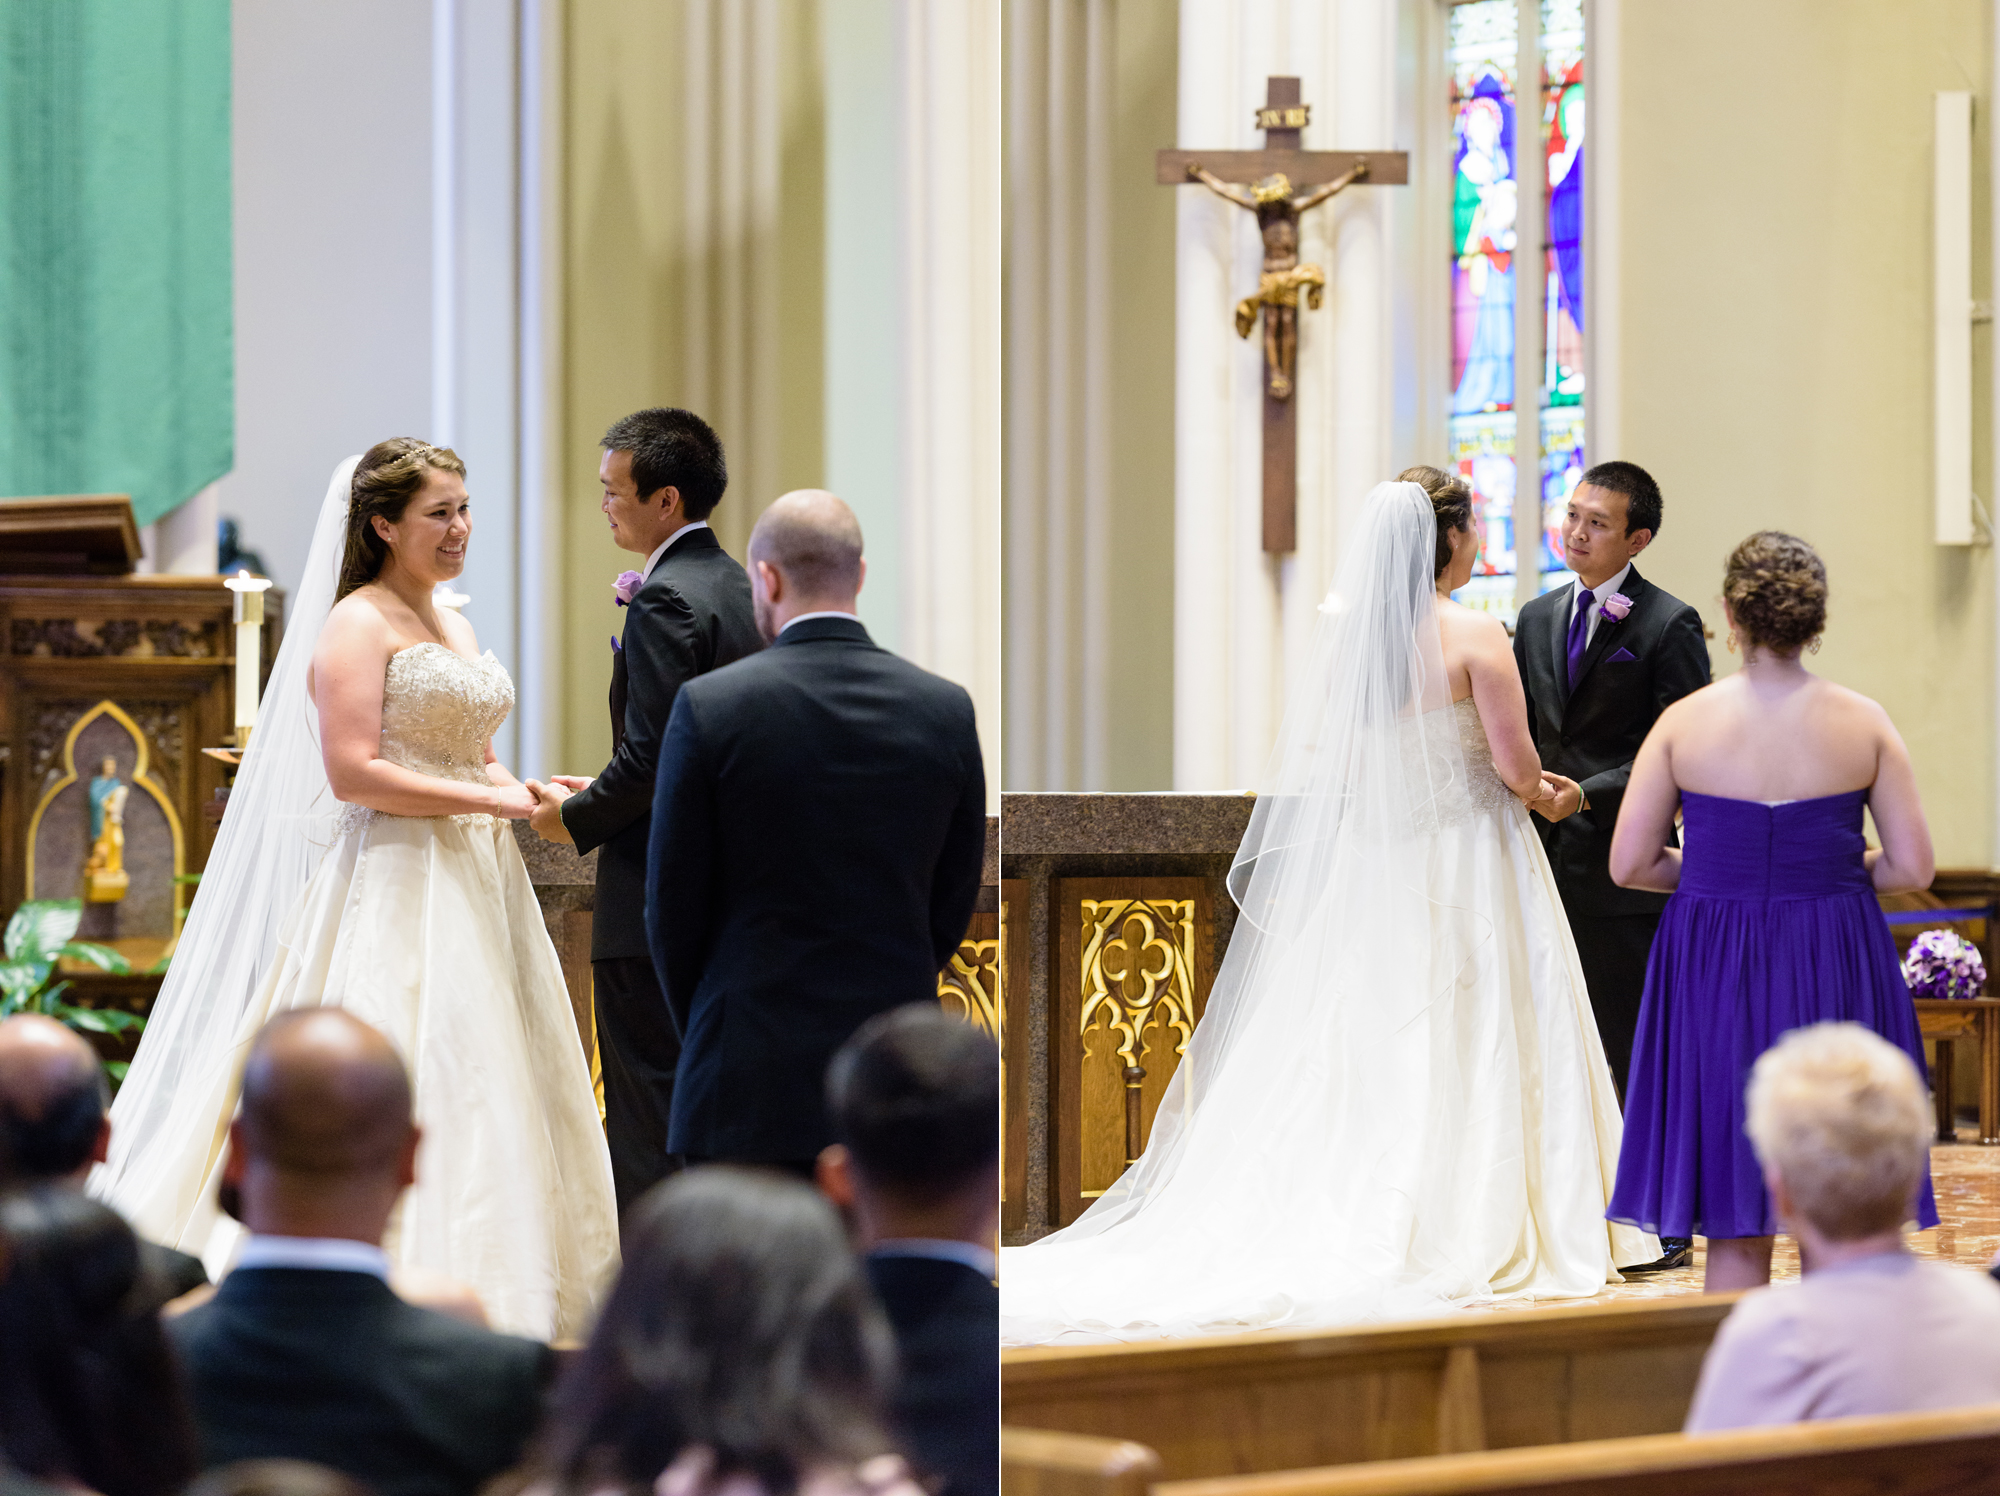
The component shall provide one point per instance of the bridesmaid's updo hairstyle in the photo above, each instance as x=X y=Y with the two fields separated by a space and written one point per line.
x=1451 y=501
x=388 y=477
x=1775 y=585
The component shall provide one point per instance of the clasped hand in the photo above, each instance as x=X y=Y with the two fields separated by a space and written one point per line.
x=1558 y=798
x=546 y=818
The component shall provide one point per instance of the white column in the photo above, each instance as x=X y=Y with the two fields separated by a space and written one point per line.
x=186 y=538
x=538 y=398
x=1242 y=618
x=475 y=312
x=1602 y=250
x=950 y=377
x=1062 y=91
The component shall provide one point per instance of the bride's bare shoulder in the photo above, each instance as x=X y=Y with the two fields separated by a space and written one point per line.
x=1469 y=628
x=356 y=626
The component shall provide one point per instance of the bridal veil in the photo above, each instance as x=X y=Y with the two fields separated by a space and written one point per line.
x=280 y=822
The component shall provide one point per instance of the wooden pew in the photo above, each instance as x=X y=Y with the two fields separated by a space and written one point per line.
x=1907 y=1454
x=1034 y=1462
x=1242 y=1404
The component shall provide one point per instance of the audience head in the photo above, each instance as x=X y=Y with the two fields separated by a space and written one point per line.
x=1775 y=590
x=661 y=469
x=1451 y=501
x=914 y=1098
x=53 y=1098
x=741 y=1323
x=805 y=557
x=387 y=481
x=324 y=1142
x=1840 y=1122
x=90 y=1394
x=276 y=1478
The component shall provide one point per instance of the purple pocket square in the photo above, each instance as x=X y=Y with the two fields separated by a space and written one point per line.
x=1621 y=653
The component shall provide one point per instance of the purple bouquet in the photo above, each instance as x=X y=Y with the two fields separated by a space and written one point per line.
x=1941 y=964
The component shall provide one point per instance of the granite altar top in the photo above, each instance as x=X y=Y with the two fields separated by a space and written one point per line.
x=1055 y=824
x=552 y=865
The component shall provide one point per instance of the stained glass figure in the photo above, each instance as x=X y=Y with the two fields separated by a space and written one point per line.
x=1484 y=52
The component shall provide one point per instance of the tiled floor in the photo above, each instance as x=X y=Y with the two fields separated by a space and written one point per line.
x=1966 y=1178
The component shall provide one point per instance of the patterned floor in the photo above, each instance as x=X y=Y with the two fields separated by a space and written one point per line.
x=1966 y=1178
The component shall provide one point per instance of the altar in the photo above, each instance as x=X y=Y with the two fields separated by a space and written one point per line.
x=1114 y=918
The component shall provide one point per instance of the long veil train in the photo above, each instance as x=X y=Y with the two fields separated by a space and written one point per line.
x=280 y=823
x=1396 y=1098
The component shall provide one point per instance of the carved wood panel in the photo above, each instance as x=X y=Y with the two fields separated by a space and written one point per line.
x=1127 y=986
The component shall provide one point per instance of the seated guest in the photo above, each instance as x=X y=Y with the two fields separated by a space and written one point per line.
x=1841 y=1126
x=914 y=1098
x=304 y=1353
x=89 y=1394
x=740 y=1352
x=54 y=1129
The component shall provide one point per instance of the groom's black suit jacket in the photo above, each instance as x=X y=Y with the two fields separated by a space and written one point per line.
x=693 y=615
x=817 y=836
x=1634 y=669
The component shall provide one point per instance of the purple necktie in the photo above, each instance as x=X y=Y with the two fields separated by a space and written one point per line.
x=1579 y=632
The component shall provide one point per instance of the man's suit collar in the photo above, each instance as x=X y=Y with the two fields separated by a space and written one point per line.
x=811 y=630
x=688 y=539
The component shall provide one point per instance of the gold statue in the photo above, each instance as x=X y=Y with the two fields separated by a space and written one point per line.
x=104 y=877
x=1278 y=288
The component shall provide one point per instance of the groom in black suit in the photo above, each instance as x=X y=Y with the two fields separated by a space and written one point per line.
x=688 y=613
x=817 y=834
x=1601 y=660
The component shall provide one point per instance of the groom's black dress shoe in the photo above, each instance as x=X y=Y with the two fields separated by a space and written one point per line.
x=1675 y=1251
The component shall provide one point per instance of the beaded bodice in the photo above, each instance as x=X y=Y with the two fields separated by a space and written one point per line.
x=439 y=709
x=1483 y=791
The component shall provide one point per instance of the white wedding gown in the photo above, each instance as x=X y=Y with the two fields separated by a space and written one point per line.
x=428 y=929
x=1413 y=1113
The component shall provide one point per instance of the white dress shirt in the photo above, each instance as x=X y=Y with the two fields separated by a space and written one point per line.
x=970 y=1254
x=327 y=1254
x=823 y=613
x=1600 y=592
x=661 y=549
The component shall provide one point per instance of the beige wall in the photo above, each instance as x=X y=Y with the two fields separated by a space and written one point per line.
x=1140 y=733
x=693 y=253
x=1774 y=249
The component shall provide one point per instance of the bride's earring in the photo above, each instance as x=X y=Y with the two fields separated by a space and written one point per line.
x=1732 y=641
x=1813 y=647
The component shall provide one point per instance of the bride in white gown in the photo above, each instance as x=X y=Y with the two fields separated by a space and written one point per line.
x=408 y=905
x=1396 y=1100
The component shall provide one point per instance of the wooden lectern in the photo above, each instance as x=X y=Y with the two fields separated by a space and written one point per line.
x=111 y=684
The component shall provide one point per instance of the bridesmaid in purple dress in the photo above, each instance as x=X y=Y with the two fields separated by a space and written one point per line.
x=1773 y=922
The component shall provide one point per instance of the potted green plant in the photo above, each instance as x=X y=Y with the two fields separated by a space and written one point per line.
x=42 y=933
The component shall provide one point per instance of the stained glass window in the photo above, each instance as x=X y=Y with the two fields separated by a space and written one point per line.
x=1484 y=57
x=1562 y=307
x=1484 y=53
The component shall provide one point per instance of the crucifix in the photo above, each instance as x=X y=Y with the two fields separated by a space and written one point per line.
x=1279 y=183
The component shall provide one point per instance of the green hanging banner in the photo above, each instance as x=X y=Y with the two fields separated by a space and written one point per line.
x=116 y=362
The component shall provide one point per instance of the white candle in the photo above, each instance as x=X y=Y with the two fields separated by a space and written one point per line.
x=249 y=618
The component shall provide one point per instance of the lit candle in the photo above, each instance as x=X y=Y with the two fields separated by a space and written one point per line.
x=249 y=618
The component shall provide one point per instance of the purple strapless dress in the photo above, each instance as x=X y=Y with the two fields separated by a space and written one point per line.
x=1774 y=926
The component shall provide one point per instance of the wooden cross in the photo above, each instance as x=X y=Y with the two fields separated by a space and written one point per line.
x=1276 y=174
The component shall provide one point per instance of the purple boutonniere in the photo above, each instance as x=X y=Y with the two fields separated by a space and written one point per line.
x=616 y=647
x=627 y=584
x=1617 y=606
